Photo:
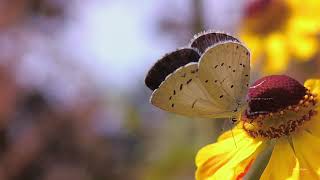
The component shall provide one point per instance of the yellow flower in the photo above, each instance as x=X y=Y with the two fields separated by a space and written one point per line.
x=281 y=113
x=279 y=31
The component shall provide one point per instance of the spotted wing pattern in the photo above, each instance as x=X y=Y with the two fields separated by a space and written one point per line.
x=224 y=71
x=183 y=93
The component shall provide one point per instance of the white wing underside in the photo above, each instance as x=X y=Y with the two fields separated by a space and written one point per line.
x=204 y=89
x=224 y=70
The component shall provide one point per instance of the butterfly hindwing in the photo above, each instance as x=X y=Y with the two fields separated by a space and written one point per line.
x=183 y=93
x=224 y=70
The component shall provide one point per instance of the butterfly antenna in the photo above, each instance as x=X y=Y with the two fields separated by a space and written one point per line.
x=234 y=140
x=224 y=125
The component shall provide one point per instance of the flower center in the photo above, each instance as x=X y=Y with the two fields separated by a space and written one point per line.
x=277 y=106
x=265 y=16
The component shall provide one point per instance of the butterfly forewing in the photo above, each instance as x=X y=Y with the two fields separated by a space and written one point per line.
x=168 y=64
x=224 y=71
x=183 y=93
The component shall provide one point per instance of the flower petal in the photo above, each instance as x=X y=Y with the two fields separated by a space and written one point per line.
x=230 y=134
x=230 y=157
x=283 y=164
x=307 y=149
x=313 y=126
x=313 y=85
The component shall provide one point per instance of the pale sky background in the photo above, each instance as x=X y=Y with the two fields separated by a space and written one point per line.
x=114 y=41
x=118 y=41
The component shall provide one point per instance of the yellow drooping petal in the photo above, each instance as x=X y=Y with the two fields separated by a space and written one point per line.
x=277 y=54
x=307 y=148
x=313 y=126
x=230 y=134
x=313 y=85
x=283 y=164
x=228 y=158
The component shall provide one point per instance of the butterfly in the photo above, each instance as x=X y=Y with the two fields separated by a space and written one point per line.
x=208 y=79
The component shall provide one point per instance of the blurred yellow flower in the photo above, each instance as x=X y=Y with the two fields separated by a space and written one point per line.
x=293 y=132
x=277 y=32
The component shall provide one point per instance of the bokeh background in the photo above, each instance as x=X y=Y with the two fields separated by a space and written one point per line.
x=73 y=104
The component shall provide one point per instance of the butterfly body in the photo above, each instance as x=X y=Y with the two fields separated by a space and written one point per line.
x=208 y=79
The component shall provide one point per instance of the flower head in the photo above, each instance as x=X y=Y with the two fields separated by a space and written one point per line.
x=281 y=112
x=280 y=31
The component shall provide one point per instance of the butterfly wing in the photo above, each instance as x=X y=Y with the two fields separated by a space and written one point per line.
x=204 y=40
x=213 y=87
x=224 y=71
x=183 y=93
x=168 y=64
